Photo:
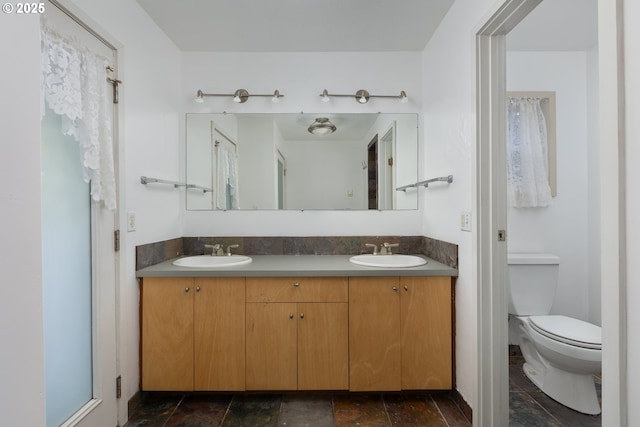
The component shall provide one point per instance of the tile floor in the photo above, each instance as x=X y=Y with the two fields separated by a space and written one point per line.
x=298 y=410
x=528 y=407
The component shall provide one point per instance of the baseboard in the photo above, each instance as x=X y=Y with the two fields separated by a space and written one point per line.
x=462 y=405
x=134 y=403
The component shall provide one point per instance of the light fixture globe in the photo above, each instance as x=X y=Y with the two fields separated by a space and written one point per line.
x=322 y=126
x=199 y=97
x=325 y=96
x=241 y=96
x=362 y=96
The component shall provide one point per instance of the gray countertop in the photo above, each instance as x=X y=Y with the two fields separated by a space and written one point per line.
x=296 y=265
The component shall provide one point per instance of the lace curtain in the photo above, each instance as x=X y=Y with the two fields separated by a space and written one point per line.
x=73 y=85
x=226 y=182
x=527 y=158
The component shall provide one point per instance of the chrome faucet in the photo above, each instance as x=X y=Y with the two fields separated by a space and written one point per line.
x=375 y=248
x=215 y=249
x=386 y=248
x=231 y=247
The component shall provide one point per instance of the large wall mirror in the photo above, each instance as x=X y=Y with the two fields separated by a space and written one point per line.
x=273 y=161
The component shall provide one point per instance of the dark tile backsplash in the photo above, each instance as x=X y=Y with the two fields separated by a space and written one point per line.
x=154 y=253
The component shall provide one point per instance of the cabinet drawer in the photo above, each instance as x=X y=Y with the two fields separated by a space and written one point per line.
x=297 y=289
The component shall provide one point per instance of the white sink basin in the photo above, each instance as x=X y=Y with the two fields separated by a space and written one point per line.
x=388 y=261
x=208 y=261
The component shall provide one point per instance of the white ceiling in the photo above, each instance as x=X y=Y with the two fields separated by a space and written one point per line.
x=557 y=25
x=352 y=25
x=298 y=25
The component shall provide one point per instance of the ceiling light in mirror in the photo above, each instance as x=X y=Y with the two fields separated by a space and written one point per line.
x=322 y=126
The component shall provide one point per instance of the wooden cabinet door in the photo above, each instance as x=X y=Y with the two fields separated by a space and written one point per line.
x=219 y=334
x=426 y=333
x=374 y=334
x=323 y=346
x=167 y=334
x=271 y=356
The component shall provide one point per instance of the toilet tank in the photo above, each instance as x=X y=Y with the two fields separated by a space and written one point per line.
x=532 y=279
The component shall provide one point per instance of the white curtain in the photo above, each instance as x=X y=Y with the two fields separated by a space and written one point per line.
x=226 y=182
x=74 y=86
x=527 y=154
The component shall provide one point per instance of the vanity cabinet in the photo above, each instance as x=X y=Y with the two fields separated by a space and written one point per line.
x=297 y=333
x=285 y=333
x=192 y=334
x=400 y=333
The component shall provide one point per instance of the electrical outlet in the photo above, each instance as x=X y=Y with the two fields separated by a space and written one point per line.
x=131 y=221
x=465 y=221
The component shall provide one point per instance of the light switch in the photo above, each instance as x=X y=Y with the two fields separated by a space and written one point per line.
x=465 y=221
x=131 y=221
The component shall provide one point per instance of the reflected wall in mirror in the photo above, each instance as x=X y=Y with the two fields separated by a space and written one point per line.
x=272 y=161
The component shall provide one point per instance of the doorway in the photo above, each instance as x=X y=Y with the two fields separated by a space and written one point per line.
x=372 y=173
x=492 y=403
x=79 y=257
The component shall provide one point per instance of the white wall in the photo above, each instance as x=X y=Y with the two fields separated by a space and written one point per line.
x=338 y=167
x=257 y=176
x=562 y=228
x=301 y=77
x=632 y=81
x=21 y=330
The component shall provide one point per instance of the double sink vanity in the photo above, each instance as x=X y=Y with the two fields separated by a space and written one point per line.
x=297 y=322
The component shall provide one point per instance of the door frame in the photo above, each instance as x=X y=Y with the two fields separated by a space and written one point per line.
x=386 y=151
x=105 y=375
x=281 y=160
x=491 y=403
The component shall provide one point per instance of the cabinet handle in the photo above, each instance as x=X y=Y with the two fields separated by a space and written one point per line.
x=187 y=289
x=302 y=315
x=406 y=288
x=395 y=288
x=197 y=288
x=296 y=284
x=290 y=315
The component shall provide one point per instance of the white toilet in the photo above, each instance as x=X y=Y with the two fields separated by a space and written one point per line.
x=561 y=353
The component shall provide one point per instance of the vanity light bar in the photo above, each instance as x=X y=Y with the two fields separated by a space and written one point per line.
x=362 y=96
x=240 y=96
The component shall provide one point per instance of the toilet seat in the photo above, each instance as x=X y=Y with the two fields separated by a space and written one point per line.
x=568 y=330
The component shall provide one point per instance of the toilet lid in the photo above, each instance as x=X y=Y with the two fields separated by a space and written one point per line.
x=568 y=330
